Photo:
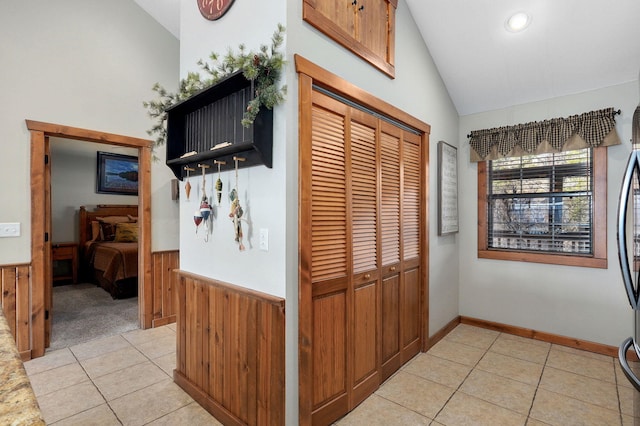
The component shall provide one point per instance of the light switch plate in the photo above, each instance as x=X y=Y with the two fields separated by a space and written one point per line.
x=10 y=229
x=264 y=239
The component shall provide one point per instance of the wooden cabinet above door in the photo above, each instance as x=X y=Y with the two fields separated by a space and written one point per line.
x=366 y=27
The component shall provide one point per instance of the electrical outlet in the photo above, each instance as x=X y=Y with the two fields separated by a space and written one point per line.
x=264 y=239
x=9 y=229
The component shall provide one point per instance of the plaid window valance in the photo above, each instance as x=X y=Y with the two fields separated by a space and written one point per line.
x=587 y=130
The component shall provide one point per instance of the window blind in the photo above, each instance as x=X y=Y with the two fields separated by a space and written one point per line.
x=542 y=202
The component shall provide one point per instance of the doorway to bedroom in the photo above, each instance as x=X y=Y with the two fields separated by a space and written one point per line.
x=89 y=303
x=40 y=301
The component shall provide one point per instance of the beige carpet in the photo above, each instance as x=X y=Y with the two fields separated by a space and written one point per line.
x=84 y=312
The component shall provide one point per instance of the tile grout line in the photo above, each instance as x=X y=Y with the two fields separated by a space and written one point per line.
x=145 y=387
x=544 y=365
x=467 y=376
x=535 y=393
x=97 y=389
x=399 y=405
x=615 y=377
x=91 y=379
x=506 y=355
x=572 y=397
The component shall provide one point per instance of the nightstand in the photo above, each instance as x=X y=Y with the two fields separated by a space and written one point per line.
x=65 y=252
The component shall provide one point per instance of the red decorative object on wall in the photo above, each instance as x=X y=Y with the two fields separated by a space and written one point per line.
x=214 y=9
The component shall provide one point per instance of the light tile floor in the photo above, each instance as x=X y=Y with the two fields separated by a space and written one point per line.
x=472 y=377
x=481 y=377
x=119 y=380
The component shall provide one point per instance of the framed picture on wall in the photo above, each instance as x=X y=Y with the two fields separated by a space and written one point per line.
x=447 y=189
x=117 y=174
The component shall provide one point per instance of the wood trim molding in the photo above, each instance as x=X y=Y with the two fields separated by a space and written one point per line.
x=246 y=292
x=76 y=133
x=40 y=132
x=38 y=229
x=145 y=284
x=599 y=225
x=440 y=334
x=324 y=78
x=424 y=238
x=305 y=291
x=571 y=342
x=216 y=409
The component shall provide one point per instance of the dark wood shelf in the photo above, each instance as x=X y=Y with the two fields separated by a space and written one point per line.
x=213 y=116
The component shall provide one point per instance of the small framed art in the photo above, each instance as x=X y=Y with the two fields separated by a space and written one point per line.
x=117 y=174
x=447 y=189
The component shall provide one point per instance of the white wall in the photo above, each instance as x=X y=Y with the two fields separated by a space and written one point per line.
x=73 y=184
x=262 y=190
x=582 y=303
x=272 y=194
x=418 y=90
x=83 y=63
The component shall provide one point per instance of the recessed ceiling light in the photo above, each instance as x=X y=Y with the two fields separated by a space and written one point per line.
x=517 y=22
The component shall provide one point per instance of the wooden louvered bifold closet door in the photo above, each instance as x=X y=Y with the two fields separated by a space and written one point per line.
x=363 y=179
x=390 y=137
x=410 y=294
x=364 y=217
x=400 y=235
x=329 y=276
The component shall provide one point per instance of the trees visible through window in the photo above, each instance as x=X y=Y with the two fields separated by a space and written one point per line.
x=548 y=208
x=542 y=202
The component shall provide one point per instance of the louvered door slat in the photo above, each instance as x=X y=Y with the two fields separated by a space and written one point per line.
x=390 y=203
x=328 y=196
x=361 y=184
x=363 y=197
x=411 y=200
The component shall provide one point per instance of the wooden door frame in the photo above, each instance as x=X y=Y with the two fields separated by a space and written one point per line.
x=40 y=249
x=310 y=74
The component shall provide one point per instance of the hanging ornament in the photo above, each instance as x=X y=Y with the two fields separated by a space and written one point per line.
x=236 y=210
x=219 y=181
x=205 y=212
x=187 y=185
x=197 y=219
x=205 y=207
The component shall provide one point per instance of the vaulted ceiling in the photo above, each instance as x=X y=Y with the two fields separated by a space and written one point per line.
x=570 y=46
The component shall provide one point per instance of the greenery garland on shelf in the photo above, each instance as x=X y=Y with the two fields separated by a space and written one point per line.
x=263 y=67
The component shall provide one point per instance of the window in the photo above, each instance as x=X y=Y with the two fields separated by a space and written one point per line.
x=547 y=208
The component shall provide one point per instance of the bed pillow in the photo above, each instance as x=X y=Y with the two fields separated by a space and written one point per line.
x=96 y=234
x=132 y=218
x=126 y=232
x=108 y=226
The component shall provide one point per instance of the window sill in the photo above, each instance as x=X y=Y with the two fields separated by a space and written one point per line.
x=552 y=259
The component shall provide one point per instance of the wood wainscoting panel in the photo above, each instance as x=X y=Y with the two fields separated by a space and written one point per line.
x=15 y=289
x=163 y=265
x=231 y=354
